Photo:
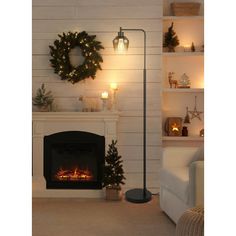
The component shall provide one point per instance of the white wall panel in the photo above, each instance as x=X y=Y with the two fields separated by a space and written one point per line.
x=127 y=90
x=136 y=38
x=40 y=47
x=137 y=139
x=54 y=12
x=98 y=12
x=116 y=62
x=96 y=2
x=57 y=26
x=118 y=3
x=133 y=124
x=133 y=152
x=103 y=18
x=53 y=2
x=123 y=77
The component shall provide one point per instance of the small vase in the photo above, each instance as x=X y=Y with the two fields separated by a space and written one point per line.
x=185 y=131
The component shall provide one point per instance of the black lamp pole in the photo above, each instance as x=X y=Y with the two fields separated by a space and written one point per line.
x=138 y=195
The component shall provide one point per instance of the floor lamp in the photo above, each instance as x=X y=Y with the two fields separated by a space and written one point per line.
x=121 y=43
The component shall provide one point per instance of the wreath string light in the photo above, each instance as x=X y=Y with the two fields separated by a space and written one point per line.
x=90 y=48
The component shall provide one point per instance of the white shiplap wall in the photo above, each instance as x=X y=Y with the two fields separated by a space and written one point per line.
x=103 y=18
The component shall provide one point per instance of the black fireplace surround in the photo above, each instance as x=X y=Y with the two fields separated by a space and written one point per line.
x=74 y=160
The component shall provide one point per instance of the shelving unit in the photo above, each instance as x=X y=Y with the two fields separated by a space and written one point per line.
x=182 y=54
x=183 y=90
x=175 y=100
x=180 y=138
x=183 y=18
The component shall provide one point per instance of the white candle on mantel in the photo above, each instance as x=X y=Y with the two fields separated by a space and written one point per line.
x=104 y=95
x=113 y=86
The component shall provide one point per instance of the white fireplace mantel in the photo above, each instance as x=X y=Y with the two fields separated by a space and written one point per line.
x=46 y=123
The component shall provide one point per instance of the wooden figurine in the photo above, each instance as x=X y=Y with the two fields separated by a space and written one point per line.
x=171 y=80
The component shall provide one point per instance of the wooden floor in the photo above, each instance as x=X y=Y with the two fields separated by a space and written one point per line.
x=96 y=217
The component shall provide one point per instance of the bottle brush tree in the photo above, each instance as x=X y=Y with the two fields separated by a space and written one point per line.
x=193 y=47
x=113 y=171
x=43 y=98
x=170 y=39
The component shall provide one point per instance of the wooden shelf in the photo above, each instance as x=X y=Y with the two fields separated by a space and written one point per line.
x=183 y=90
x=180 y=138
x=182 y=54
x=183 y=18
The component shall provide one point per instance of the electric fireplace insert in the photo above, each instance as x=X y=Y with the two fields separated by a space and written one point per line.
x=74 y=160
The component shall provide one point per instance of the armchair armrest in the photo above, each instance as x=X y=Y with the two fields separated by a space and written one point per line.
x=178 y=156
x=196 y=183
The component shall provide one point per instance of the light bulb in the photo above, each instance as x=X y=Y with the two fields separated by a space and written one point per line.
x=113 y=86
x=121 y=46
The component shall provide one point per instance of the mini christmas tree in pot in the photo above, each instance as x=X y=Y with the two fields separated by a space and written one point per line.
x=170 y=39
x=113 y=173
x=43 y=100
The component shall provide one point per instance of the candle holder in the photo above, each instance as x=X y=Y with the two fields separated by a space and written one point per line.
x=104 y=98
x=104 y=104
x=114 y=90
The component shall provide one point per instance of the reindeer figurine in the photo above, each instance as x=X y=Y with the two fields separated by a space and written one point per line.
x=172 y=81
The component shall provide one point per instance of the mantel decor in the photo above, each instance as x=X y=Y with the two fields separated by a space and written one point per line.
x=43 y=100
x=60 y=60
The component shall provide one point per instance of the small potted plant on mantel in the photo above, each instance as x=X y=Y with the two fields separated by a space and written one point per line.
x=113 y=173
x=43 y=100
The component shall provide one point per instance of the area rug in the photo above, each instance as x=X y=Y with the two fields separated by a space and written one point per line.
x=97 y=217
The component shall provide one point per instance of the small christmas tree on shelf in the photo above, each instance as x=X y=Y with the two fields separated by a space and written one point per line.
x=113 y=173
x=171 y=39
x=184 y=81
x=193 y=47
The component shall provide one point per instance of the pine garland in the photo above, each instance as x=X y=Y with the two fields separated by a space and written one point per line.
x=90 y=48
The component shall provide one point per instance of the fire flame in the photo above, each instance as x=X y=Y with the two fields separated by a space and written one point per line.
x=175 y=127
x=74 y=175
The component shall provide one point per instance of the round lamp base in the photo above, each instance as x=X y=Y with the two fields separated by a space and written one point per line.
x=138 y=195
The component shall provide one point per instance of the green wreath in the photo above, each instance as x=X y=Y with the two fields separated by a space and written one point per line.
x=60 y=60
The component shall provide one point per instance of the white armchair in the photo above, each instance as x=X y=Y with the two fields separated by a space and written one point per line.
x=181 y=180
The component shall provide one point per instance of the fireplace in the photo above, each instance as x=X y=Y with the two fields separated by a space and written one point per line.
x=74 y=160
x=46 y=124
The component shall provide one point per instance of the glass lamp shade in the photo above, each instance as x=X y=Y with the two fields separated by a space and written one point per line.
x=120 y=43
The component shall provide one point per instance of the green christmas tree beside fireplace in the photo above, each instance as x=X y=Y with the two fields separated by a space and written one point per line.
x=113 y=173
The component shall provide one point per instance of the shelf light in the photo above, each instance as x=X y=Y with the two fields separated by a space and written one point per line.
x=187 y=48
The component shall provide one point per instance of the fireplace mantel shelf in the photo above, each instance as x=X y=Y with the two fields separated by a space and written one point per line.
x=75 y=115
